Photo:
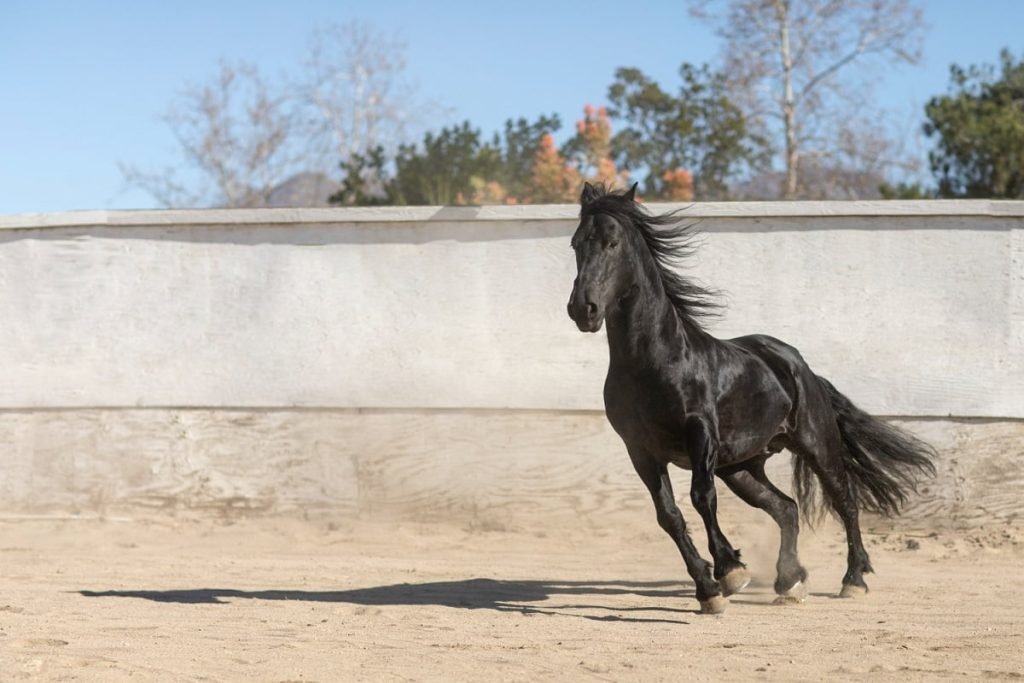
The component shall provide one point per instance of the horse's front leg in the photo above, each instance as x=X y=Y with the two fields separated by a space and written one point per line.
x=701 y=445
x=670 y=519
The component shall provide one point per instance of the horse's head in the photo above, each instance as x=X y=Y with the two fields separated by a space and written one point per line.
x=603 y=243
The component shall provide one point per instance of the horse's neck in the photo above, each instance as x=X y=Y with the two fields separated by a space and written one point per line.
x=645 y=327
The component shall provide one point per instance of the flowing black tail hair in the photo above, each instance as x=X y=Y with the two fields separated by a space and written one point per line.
x=884 y=463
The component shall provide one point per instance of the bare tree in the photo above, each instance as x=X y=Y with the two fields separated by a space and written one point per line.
x=242 y=138
x=792 y=63
x=353 y=95
x=234 y=134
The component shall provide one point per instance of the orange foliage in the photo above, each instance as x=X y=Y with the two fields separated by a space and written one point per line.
x=553 y=180
x=485 y=192
x=678 y=185
x=595 y=129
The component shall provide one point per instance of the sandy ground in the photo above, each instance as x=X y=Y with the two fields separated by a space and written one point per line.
x=169 y=599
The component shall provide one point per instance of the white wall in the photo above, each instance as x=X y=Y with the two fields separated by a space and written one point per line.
x=912 y=308
x=365 y=361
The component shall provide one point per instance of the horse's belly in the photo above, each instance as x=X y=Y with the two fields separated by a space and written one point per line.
x=682 y=461
x=660 y=439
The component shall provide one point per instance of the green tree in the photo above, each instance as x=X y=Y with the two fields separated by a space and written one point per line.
x=441 y=169
x=904 y=190
x=699 y=129
x=366 y=182
x=452 y=166
x=980 y=131
x=522 y=140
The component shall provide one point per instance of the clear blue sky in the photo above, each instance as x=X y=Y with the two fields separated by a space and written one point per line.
x=83 y=84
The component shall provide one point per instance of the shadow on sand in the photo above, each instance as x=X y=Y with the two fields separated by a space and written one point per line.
x=504 y=596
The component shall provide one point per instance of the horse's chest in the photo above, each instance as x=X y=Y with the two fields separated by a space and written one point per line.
x=647 y=419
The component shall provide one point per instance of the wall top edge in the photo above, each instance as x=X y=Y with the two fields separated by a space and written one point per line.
x=973 y=416
x=536 y=212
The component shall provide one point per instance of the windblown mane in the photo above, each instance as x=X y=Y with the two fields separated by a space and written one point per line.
x=669 y=246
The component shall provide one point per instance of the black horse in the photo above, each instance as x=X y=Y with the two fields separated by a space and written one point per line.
x=677 y=395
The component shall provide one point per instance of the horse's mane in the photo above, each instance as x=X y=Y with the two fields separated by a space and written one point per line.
x=669 y=246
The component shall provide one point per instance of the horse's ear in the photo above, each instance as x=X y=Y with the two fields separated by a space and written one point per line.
x=630 y=194
x=588 y=194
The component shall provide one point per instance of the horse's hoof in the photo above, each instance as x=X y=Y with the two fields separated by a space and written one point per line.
x=716 y=604
x=793 y=596
x=735 y=581
x=851 y=590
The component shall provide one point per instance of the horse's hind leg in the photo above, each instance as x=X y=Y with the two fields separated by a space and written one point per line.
x=753 y=487
x=824 y=454
x=670 y=519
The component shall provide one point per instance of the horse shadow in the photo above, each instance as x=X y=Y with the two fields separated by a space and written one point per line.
x=581 y=598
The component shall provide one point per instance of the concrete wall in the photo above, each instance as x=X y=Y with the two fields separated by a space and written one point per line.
x=281 y=359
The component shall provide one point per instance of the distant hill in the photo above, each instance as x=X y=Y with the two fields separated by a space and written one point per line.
x=303 y=190
x=818 y=181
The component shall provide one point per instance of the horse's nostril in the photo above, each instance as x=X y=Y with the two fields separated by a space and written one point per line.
x=591 y=310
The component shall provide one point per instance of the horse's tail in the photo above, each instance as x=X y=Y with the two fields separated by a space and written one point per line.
x=884 y=463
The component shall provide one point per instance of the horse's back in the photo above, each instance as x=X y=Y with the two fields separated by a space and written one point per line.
x=783 y=360
x=810 y=405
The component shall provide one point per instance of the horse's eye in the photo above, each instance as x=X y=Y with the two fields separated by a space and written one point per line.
x=613 y=243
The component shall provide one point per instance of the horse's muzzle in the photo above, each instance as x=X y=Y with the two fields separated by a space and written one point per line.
x=586 y=315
